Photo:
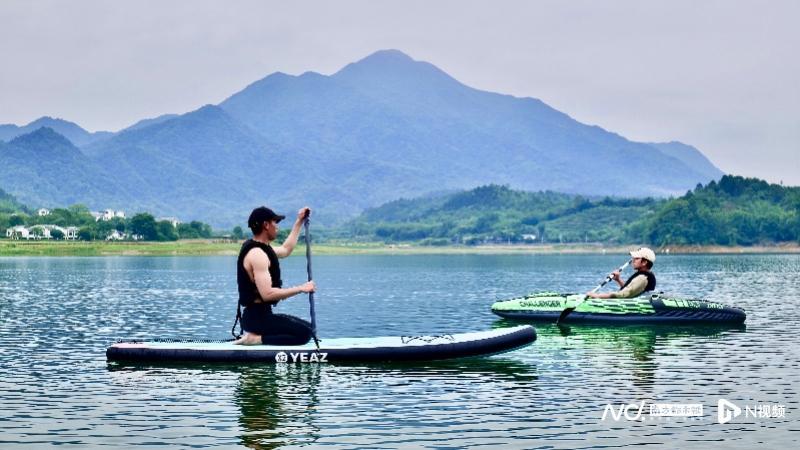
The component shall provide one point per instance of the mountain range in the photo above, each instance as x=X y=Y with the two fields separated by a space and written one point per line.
x=70 y=130
x=379 y=129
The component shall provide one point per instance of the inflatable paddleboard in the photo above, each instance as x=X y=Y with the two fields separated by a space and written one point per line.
x=650 y=307
x=375 y=349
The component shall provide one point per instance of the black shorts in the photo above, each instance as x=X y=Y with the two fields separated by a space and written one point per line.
x=275 y=329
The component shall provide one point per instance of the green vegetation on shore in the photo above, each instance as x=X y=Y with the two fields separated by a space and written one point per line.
x=497 y=214
x=733 y=211
x=118 y=248
x=732 y=215
x=210 y=247
x=142 y=226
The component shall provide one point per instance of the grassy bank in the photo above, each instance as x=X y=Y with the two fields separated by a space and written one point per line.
x=102 y=248
x=199 y=247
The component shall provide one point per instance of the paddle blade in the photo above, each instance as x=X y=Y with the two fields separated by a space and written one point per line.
x=564 y=314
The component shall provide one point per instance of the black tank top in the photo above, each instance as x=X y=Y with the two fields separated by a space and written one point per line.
x=248 y=292
x=651 y=280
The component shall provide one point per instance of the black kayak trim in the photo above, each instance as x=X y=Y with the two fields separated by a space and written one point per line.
x=726 y=316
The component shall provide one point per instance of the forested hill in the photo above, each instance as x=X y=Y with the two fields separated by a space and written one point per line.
x=499 y=214
x=9 y=204
x=734 y=210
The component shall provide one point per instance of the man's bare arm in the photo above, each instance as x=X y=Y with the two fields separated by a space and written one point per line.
x=288 y=245
x=258 y=260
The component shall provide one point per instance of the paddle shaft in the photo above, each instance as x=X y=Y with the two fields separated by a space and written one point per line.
x=610 y=277
x=308 y=269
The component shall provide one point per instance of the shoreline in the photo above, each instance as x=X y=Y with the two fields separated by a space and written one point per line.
x=211 y=247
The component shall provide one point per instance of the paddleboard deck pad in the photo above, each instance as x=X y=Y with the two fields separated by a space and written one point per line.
x=649 y=307
x=374 y=349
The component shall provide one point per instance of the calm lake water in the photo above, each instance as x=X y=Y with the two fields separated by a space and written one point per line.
x=57 y=316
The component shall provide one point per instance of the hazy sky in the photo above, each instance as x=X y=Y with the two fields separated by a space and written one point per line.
x=723 y=76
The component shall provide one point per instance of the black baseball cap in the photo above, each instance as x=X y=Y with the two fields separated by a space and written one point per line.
x=263 y=214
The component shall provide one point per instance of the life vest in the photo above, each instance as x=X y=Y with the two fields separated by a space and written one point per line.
x=651 y=280
x=248 y=291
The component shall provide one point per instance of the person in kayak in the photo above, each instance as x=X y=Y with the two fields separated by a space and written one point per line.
x=260 y=285
x=641 y=281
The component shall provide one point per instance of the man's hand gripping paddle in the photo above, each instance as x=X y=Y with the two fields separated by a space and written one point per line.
x=569 y=310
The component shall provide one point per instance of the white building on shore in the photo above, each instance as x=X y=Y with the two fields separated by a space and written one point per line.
x=18 y=232
x=107 y=215
x=116 y=236
x=38 y=232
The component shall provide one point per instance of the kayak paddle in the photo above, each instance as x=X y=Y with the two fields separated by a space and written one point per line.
x=568 y=310
x=308 y=269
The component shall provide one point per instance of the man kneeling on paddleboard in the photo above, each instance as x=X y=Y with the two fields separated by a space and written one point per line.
x=260 y=286
x=641 y=281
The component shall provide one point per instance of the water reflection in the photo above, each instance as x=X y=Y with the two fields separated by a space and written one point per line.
x=312 y=404
x=640 y=341
x=277 y=405
x=634 y=348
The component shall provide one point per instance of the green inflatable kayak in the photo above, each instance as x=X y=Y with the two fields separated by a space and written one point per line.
x=650 y=307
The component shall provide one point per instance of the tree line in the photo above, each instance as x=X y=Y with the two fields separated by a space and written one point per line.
x=141 y=226
x=732 y=211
